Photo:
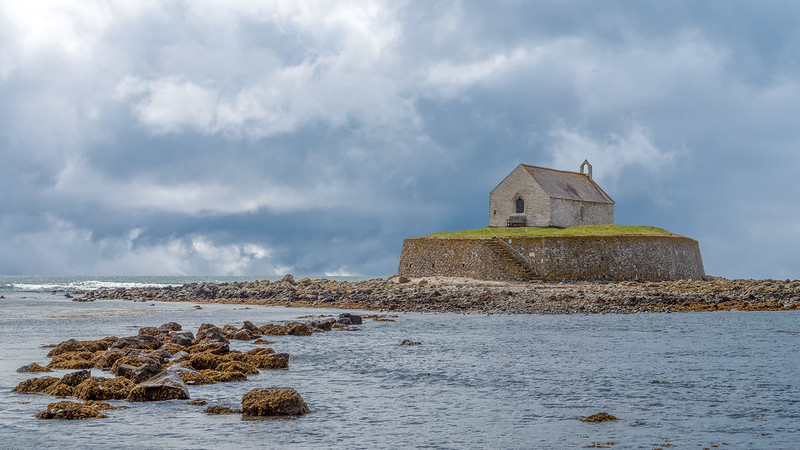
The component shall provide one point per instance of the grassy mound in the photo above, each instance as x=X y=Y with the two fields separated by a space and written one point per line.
x=582 y=230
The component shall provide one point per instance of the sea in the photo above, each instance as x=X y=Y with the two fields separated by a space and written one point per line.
x=684 y=380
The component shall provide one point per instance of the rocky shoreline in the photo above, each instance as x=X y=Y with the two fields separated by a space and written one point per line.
x=463 y=295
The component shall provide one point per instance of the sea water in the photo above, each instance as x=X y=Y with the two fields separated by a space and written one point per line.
x=504 y=381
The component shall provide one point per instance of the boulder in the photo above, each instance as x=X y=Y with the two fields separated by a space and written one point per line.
x=249 y=326
x=172 y=326
x=143 y=342
x=289 y=278
x=144 y=372
x=164 y=386
x=33 y=367
x=184 y=338
x=349 y=319
x=97 y=388
x=410 y=342
x=243 y=335
x=238 y=366
x=600 y=417
x=152 y=331
x=274 y=401
x=74 y=411
x=224 y=377
x=106 y=359
x=215 y=347
x=73 y=345
x=191 y=377
x=72 y=360
x=75 y=378
x=210 y=333
x=219 y=409
x=59 y=390
x=35 y=385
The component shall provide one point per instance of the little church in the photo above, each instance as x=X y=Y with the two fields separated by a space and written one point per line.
x=540 y=197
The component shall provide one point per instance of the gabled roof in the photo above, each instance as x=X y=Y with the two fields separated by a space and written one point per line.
x=568 y=185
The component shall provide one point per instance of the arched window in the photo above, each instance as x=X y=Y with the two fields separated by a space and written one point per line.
x=520 y=205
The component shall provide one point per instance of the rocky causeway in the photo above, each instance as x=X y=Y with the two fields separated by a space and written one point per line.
x=464 y=295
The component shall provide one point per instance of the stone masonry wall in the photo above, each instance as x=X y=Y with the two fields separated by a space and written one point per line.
x=644 y=258
x=569 y=213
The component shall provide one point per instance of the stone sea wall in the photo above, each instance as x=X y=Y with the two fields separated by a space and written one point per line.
x=613 y=258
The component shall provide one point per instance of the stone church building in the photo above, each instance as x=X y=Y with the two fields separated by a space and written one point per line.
x=540 y=197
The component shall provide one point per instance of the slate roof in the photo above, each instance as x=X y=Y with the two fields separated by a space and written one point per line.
x=568 y=185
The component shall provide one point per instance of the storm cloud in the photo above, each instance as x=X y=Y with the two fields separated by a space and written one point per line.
x=259 y=138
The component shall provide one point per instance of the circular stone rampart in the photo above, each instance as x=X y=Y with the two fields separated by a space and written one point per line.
x=612 y=258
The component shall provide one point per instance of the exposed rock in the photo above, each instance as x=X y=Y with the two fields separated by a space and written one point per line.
x=59 y=390
x=134 y=360
x=288 y=278
x=291 y=328
x=197 y=402
x=224 y=377
x=192 y=377
x=33 y=367
x=208 y=332
x=164 y=386
x=238 y=366
x=215 y=347
x=107 y=358
x=72 y=346
x=266 y=358
x=97 y=388
x=274 y=401
x=152 y=331
x=219 y=409
x=599 y=417
x=143 y=342
x=184 y=338
x=35 y=385
x=144 y=372
x=404 y=279
x=172 y=326
x=249 y=326
x=349 y=319
x=75 y=378
x=243 y=335
x=263 y=342
x=71 y=360
x=74 y=411
x=410 y=342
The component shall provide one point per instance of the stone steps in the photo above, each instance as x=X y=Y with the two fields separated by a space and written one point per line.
x=504 y=252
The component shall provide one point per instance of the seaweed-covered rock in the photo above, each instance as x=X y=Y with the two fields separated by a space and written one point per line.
x=134 y=360
x=219 y=409
x=72 y=345
x=152 y=331
x=36 y=385
x=204 y=361
x=164 y=386
x=141 y=342
x=96 y=388
x=410 y=342
x=224 y=377
x=72 y=360
x=33 y=367
x=274 y=401
x=238 y=366
x=216 y=347
x=291 y=328
x=74 y=411
x=243 y=335
x=191 y=377
x=73 y=379
x=600 y=417
x=249 y=326
x=59 y=389
x=172 y=326
x=107 y=358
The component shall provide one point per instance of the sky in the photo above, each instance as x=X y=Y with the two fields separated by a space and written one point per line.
x=261 y=138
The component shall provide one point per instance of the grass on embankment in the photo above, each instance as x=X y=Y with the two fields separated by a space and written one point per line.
x=582 y=230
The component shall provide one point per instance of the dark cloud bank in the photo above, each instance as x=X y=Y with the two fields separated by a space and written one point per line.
x=259 y=138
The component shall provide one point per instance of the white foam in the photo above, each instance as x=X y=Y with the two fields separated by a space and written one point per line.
x=89 y=285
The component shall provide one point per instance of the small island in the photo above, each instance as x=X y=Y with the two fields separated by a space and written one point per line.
x=559 y=226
